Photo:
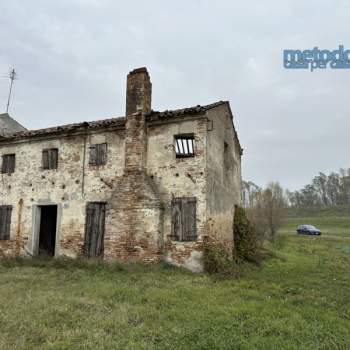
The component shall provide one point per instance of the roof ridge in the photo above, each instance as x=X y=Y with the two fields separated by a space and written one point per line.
x=196 y=108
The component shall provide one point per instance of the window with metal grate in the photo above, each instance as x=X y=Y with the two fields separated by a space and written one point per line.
x=184 y=146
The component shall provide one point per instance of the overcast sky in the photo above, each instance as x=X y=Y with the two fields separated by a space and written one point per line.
x=73 y=56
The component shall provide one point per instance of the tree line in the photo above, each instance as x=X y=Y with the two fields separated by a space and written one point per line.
x=323 y=191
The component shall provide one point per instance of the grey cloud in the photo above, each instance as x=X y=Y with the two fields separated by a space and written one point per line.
x=73 y=57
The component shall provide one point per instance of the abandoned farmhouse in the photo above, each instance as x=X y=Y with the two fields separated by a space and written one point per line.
x=150 y=186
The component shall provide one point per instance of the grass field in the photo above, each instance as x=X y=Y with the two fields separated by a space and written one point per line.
x=300 y=299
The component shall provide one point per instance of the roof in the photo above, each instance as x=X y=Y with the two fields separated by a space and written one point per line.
x=112 y=122
x=99 y=124
x=9 y=126
x=184 y=111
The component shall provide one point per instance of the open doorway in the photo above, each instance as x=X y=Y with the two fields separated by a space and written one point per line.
x=47 y=231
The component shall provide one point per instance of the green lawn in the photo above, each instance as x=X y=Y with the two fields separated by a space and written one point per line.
x=298 y=300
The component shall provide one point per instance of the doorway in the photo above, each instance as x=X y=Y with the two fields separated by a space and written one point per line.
x=47 y=231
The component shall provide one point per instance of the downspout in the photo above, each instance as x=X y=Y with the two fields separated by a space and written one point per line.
x=84 y=160
x=18 y=230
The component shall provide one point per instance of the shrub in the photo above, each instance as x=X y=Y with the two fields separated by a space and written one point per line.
x=246 y=246
x=216 y=259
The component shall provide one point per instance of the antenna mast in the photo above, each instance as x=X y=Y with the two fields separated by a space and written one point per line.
x=12 y=76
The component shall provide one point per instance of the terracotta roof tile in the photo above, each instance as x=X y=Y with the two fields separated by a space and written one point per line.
x=112 y=122
x=184 y=111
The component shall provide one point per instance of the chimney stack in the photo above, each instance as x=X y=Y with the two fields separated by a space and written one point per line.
x=135 y=212
x=138 y=92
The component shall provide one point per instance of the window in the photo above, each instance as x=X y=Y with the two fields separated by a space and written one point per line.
x=98 y=154
x=8 y=163
x=183 y=219
x=184 y=146
x=50 y=158
x=5 y=221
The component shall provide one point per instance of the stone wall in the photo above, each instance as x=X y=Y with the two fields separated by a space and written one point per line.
x=71 y=186
x=146 y=195
x=137 y=185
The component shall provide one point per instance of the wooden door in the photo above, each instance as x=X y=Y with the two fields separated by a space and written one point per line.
x=94 y=229
x=183 y=212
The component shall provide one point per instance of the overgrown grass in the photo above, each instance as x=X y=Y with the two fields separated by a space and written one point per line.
x=335 y=211
x=299 y=299
x=329 y=225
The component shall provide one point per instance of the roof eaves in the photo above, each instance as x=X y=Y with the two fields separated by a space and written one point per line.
x=69 y=128
x=112 y=122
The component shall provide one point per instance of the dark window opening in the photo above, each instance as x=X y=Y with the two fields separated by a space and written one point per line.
x=98 y=154
x=184 y=146
x=50 y=158
x=183 y=219
x=8 y=163
x=94 y=229
x=5 y=221
x=47 y=233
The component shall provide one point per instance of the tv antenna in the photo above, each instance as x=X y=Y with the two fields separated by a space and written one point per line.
x=12 y=75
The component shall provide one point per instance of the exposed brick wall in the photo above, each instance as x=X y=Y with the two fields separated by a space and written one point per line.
x=134 y=214
x=134 y=220
x=135 y=143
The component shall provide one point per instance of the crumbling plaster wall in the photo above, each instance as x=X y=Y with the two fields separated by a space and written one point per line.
x=64 y=186
x=179 y=177
x=223 y=175
x=29 y=185
x=204 y=176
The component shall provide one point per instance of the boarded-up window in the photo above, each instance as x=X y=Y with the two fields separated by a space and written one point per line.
x=94 y=229
x=5 y=221
x=50 y=158
x=98 y=154
x=8 y=163
x=184 y=146
x=183 y=219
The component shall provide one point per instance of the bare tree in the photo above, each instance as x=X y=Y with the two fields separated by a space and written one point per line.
x=250 y=193
x=275 y=204
x=268 y=210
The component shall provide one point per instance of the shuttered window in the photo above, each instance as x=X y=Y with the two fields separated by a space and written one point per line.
x=50 y=158
x=98 y=154
x=94 y=229
x=5 y=221
x=8 y=163
x=184 y=146
x=183 y=217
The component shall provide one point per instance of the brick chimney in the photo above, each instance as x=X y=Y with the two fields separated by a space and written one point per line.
x=134 y=223
x=138 y=102
x=138 y=91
